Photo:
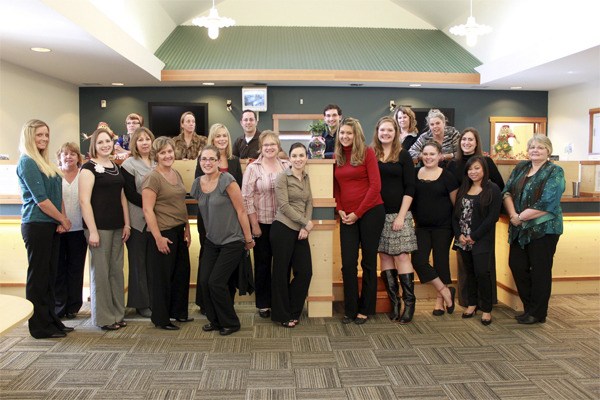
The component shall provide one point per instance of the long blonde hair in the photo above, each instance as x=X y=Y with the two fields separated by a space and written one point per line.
x=27 y=147
x=211 y=138
x=359 y=148
x=378 y=146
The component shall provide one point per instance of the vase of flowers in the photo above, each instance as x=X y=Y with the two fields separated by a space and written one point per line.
x=316 y=145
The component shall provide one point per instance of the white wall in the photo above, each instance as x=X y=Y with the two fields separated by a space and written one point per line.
x=25 y=95
x=568 y=118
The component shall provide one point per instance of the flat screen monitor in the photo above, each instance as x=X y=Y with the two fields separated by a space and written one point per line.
x=165 y=117
x=254 y=98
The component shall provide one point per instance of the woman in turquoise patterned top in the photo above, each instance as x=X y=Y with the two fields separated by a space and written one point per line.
x=532 y=199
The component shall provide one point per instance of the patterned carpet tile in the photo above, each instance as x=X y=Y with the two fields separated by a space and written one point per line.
x=517 y=390
x=35 y=379
x=397 y=357
x=179 y=394
x=427 y=340
x=569 y=335
x=409 y=375
x=554 y=351
x=152 y=345
x=536 y=334
x=112 y=345
x=189 y=345
x=175 y=379
x=356 y=359
x=497 y=371
x=420 y=392
x=591 y=386
x=363 y=377
x=230 y=344
x=72 y=394
x=25 y=395
x=202 y=394
x=472 y=390
x=483 y=353
x=227 y=361
x=75 y=343
x=580 y=368
x=184 y=361
x=542 y=369
x=462 y=339
x=283 y=379
x=99 y=361
x=453 y=373
x=321 y=394
x=516 y=352
x=393 y=341
x=27 y=343
x=442 y=355
x=271 y=331
x=83 y=379
x=351 y=343
x=495 y=337
x=336 y=329
x=310 y=344
x=314 y=359
x=221 y=379
x=317 y=378
x=279 y=360
x=270 y=394
x=130 y=380
x=277 y=344
x=306 y=330
x=8 y=342
x=19 y=359
x=141 y=361
x=566 y=389
x=370 y=393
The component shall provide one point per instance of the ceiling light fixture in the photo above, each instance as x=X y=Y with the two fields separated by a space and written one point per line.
x=208 y=83
x=415 y=85
x=118 y=84
x=41 y=50
x=213 y=22
x=471 y=29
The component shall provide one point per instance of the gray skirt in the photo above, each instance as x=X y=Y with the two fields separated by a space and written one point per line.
x=397 y=242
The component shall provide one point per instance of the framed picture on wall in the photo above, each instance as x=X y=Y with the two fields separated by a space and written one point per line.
x=254 y=98
x=509 y=135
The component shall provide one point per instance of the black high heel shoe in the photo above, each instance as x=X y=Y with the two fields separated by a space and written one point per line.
x=470 y=315
x=450 y=309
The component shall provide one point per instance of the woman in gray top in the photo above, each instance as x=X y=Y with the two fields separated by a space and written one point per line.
x=289 y=241
x=135 y=169
x=228 y=236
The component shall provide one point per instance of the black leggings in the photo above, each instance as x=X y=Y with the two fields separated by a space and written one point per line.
x=437 y=240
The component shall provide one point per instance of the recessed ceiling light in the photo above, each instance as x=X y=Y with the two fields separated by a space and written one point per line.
x=356 y=84
x=415 y=85
x=117 y=84
x=516 y=87
x=40 y=50
x=208 y=83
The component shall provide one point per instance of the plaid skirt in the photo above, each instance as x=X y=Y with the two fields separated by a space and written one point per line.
x=397 y=242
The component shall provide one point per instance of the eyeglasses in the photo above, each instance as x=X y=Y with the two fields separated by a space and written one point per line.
x=269 y=144
x=211 y=160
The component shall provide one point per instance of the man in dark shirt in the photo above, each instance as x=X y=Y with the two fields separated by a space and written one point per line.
x=246 y=146
x=332 y=114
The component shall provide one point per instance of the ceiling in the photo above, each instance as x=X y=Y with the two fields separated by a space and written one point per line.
x=93 y=45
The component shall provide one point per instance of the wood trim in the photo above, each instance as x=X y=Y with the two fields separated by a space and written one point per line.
x=324 y=224
x=320 y=298
x=318 y=75
x=324 y=202
x=508 y=289
x=590 y=162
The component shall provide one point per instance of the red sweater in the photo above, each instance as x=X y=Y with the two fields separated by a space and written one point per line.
x=357 y=189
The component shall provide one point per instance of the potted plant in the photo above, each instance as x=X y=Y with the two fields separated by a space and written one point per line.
x=316 y=145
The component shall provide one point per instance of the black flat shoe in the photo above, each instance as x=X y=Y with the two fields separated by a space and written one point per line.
x=360 y=320
x=469 y=315
x=186 y=319
x=209 y=327
x=438 y=313
x=530 y=319
x=264 y=313
x=450 y=309
x=67 y=329
x=56 y=335
x=228 y=331
x=347 y=320
x=168 y=327
x=486 y=322
x=111 y=327
x=523 y=315
x=71 y=315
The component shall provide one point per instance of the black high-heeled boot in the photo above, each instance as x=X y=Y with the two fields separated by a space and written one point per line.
x=407 y=281
x=390 y=279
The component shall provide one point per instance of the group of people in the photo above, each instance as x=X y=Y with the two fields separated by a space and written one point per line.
x=386 y=207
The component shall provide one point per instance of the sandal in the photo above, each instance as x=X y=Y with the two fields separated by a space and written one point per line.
x=121 y=324
x=112 y=327
x=288 y=324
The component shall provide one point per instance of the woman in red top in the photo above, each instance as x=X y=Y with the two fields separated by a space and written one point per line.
x=357 y=188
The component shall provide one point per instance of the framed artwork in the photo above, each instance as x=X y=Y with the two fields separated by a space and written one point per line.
x=509 y=135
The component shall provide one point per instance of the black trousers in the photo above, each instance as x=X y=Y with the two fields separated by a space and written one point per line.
x=364 y=233
x=477 y=268
x=532 y=270
x=170 y=277
x=139 y=291
x=263 y=263
x=289 y=254
x=202 y=235
x=462 y=291
x=437 y=240
x=219 y=262
x=68 y=285
x=42 y=244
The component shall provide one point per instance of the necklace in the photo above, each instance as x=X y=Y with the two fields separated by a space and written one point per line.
x=101 y=169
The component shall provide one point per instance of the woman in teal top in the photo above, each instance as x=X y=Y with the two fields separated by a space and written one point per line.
x=42 y=219
x=532 y=199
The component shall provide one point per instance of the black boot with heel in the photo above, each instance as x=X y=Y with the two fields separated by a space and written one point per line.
x=390 y=279
x=407 y=281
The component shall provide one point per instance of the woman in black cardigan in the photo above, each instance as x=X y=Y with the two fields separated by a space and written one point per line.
x=476 y=212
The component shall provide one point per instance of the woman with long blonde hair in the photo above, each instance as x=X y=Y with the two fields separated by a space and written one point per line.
x=42 y=218
x=357 y=188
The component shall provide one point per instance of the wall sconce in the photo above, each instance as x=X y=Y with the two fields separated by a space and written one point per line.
x=228 y=104
x=392 y=105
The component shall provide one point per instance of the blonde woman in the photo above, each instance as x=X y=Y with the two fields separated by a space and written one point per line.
x=357 y=188
x=258 y=191
x=106 y=227
x=42 y=217
x=73 y=247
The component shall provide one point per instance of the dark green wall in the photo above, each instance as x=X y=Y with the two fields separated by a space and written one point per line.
x=472 y=107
